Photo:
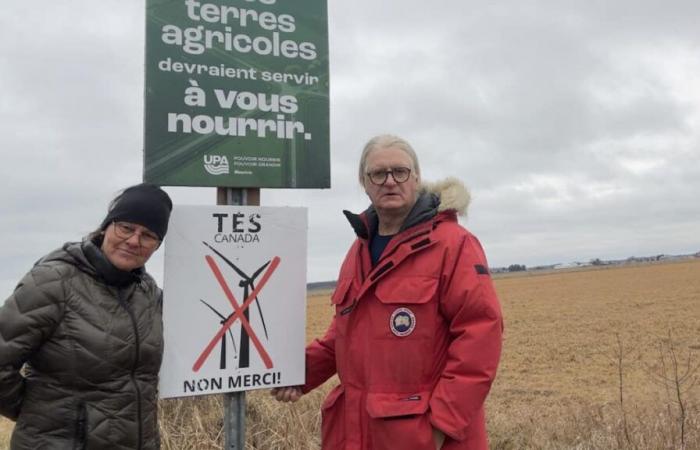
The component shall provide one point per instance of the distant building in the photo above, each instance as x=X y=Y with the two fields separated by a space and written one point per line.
x=570 y=265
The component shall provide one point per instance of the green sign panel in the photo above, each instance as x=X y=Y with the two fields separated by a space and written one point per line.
x=237 y=93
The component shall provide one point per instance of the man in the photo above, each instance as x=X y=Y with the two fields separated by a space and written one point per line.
x=416 y=337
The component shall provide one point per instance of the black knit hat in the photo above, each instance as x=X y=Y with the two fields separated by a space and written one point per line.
x=143 y=204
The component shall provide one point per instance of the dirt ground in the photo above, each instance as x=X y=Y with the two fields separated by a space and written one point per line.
x=561 y=340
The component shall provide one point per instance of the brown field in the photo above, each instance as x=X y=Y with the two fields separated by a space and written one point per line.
x=570 y=338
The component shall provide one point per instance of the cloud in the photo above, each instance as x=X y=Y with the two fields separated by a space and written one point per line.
x=575 y=124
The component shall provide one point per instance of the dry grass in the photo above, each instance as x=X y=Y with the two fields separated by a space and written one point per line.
x=5 y=430
x=558 y=386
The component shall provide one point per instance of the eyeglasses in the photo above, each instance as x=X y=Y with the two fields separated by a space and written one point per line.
x=379 y=176
x=147 y=239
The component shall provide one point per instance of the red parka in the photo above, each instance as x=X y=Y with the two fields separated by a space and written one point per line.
x=415 y=340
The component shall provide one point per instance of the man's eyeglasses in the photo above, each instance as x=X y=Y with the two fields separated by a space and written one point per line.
x=379 y=176
x=147 y=239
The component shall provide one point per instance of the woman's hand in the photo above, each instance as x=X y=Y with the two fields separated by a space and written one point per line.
x=286 y=394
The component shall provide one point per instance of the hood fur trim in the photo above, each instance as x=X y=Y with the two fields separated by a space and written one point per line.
x=452 y=192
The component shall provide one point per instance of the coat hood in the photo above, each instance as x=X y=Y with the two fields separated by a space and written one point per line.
x=449 y=194
x=71 y=253
x=88 y=258
x=452 y=193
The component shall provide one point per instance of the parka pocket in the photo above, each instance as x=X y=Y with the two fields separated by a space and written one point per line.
x=411 y=290
x=344 y=303
x=332 y=419
x=407 y=306
x=399 y=421
x=405 y=329
x=340 y=294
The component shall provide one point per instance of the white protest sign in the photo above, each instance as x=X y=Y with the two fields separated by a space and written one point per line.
x=234 y=305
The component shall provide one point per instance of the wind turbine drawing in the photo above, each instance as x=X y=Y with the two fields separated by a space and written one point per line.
x=248 y=284
x=222 y=361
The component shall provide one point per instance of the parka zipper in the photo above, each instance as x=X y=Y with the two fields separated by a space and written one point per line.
x=122 y=302
x=81 y=427
x=379 y=269
x=407 y=239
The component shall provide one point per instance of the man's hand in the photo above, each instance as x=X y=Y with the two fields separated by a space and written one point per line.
x=438 y=438
x=287 y=394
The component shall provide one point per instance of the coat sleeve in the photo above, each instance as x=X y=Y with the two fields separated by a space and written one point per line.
x=469 y=304
x=320 y=360
x=320 y=354
x=27 y=318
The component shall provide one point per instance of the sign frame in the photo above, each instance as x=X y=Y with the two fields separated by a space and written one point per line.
x=237 y=101
x=229 y=283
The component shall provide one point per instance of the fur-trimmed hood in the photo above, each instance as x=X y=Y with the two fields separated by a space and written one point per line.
x=445 y=195
x=452 y=192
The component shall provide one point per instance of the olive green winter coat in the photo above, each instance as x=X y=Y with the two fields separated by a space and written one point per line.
x=90 y=339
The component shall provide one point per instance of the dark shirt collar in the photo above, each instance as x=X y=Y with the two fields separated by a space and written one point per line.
x=367 y=223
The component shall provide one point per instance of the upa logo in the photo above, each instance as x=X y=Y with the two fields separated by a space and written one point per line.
x=216 y=164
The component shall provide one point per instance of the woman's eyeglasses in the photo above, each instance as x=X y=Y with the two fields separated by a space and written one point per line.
x=147 y=239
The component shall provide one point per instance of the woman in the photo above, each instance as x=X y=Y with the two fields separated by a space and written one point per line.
x=81 y=336
x=416 y=336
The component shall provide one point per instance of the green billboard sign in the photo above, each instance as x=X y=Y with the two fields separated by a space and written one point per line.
x=237 y=93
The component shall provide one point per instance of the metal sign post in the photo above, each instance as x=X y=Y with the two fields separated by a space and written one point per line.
x=234 y=402
x=234 y=421
x=220 y=112
x=233 y=279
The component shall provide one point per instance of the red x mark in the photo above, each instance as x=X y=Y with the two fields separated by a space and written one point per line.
x=238 y=313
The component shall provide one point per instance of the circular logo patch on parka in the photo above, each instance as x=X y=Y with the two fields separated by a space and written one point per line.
x=402 y=322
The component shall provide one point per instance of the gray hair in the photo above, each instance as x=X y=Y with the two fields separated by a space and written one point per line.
x=386 y=141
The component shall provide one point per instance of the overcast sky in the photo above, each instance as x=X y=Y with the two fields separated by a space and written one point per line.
x=575 y=124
